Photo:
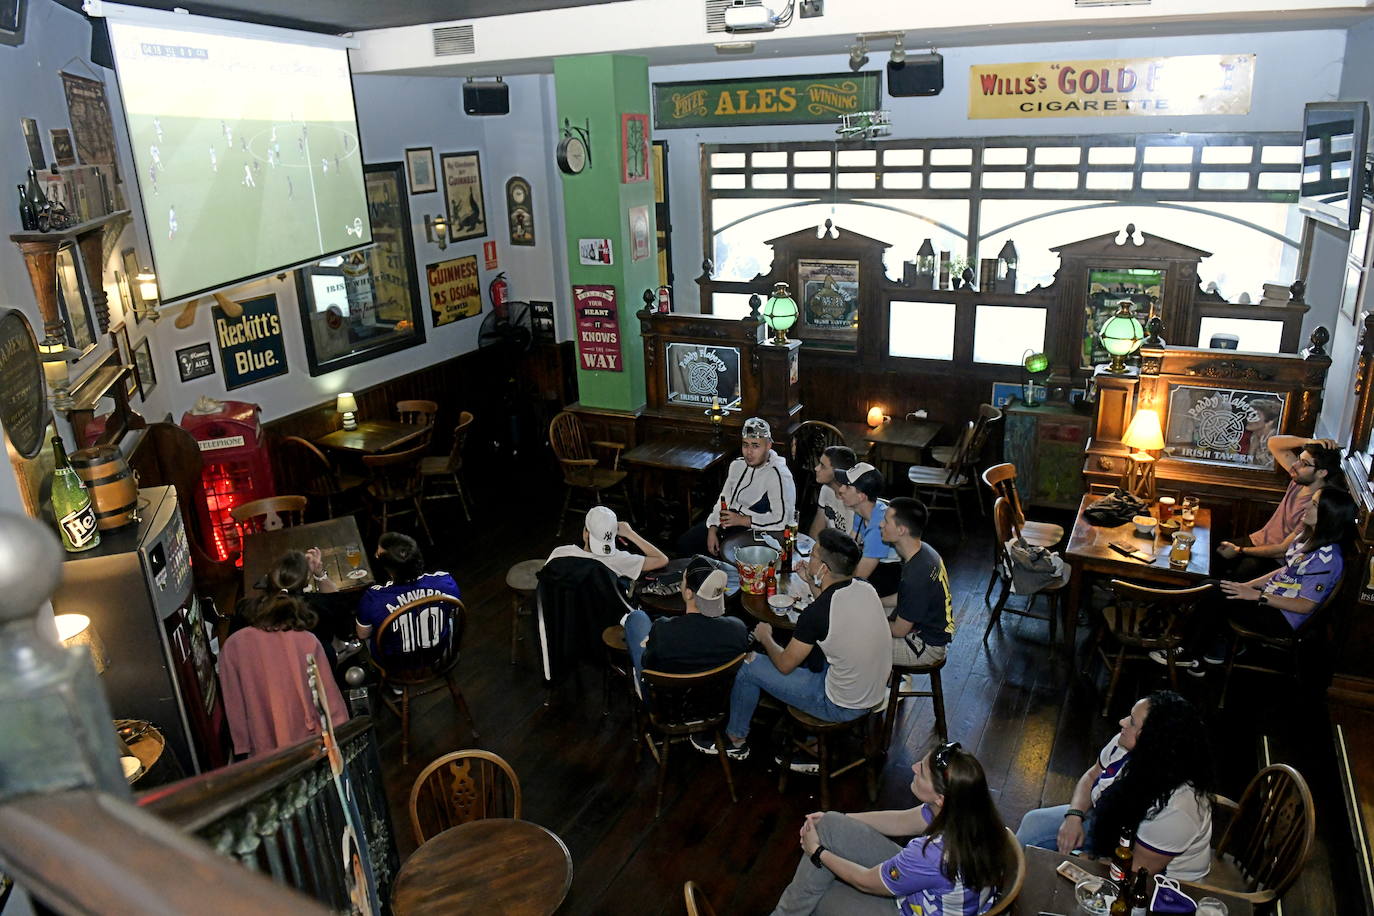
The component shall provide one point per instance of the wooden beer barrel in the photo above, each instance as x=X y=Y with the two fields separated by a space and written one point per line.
x=113 y=490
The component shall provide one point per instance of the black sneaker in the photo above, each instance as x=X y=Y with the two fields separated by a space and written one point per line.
x=1180 y=660
x=734 y=752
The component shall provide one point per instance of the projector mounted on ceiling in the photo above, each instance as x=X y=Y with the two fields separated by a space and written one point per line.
x=741 y=17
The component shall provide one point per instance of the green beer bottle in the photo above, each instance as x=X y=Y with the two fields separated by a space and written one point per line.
x=71 y=504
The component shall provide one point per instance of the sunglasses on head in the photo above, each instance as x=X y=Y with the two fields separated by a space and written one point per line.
x=939 y=759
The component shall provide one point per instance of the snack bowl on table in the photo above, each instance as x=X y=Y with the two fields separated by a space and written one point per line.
x=1145 y=525
x=753 y=563
x=1095 y=895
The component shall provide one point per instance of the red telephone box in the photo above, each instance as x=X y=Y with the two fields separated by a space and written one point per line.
x=236 y=471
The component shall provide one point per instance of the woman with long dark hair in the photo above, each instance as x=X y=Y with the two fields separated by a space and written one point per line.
x=953 y=866
x=262 y=669
x=1286 y=597
x=1152 y=781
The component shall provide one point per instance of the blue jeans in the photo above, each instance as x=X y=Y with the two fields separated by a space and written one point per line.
x=637 y=624
x=803 y=688
x=1041 y=827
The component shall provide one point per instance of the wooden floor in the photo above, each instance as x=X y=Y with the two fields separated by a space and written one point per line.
x=1033 y=723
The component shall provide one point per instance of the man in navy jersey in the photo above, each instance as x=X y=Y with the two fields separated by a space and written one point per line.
x=402 y=569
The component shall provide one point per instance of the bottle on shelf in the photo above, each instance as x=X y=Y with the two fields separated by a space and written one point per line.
x=27 y=218
x=1120 y=869
x=71 y=504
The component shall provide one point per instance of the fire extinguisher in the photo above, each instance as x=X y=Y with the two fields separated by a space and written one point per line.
x=499 y=293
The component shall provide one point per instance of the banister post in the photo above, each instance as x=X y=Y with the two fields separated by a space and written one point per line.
x=56 y=732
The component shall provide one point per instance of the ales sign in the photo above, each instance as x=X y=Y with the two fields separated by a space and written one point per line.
x=1199 y=84
x=250 y=346
x=765 y=100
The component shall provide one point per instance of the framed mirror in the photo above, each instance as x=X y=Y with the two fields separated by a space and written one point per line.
x=74 y=302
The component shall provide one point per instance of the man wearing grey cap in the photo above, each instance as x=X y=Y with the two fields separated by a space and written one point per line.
x=698 y=640
x=759 y=494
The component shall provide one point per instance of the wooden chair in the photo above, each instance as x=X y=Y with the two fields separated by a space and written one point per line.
x=417 y=413
x=1141 y=619
x=811 y=439
x=681 y=705
x=269 y=514
x=1293 y=647
x=866 y=725
x=581 y=471
x=1268 y=840
x=697 y=904
x=421 y=669
x=438 y=470
x=947 y=482
x=396 y=487
x=462 y=786
x=1001 y=480
x=986 y=423
x=897 y=693
x=1002 y=566
x=313 y=472
x=1017 y=858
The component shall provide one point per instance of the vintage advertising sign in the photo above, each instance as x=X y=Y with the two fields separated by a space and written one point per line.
x=598 y=328
x=195 y=362
x=1223 y=425
x=1196 y=84
x=699 y=374
x=250 y=346
x=829 y=293
x=765 y=100
x=454 y=290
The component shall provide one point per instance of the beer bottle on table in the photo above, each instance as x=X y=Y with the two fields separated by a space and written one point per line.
x=1121 y=906
x=1140 y=894
x=71 y=504
x=1120 y=869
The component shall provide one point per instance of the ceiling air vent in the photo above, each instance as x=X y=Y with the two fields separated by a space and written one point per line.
x=715 y=13
x=453 y=40
x=1111 y=2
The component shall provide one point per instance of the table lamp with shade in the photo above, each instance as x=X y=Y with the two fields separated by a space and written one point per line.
x=1035 y=364
x=780 y=313
x=347 y=405
x=77 y=630
x=1121 y=336
x=1143 y=436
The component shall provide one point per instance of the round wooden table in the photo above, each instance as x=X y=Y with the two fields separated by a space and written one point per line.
x=496 y=865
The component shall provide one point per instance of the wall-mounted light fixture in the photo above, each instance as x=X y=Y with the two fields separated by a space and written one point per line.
x=55 y=355
x=898 y=51
x=436 y=230
x=858 y=55
x=147 y=294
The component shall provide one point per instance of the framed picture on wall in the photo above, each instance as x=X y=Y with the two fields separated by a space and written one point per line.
x=829 y=292
x=128 y=258
x=143 y=362
x=196 y=361
x=1226 y=426
x=1142 y=288
x=466 y=207
x=420 y=170
x=73 y=301
x=368 y=305
x=634 y=148
x=120 y=334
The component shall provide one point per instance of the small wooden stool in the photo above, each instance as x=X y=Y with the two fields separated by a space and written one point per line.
x=823 y=730
x=523 y=581
x=936 y=693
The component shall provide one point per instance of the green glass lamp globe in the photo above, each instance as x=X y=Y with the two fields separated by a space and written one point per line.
x=1121 y=336
x=780 y=313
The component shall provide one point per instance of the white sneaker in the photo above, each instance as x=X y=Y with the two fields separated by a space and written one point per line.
x=1180 y=661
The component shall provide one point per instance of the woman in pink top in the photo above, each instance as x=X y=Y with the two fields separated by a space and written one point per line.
x=262 y=669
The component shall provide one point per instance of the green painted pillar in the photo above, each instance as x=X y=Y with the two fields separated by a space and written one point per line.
x=595 y=91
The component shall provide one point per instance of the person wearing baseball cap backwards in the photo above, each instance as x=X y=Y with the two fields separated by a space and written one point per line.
x=860 y=489
x=599 y=534
x=699 y=640
x=759 y=494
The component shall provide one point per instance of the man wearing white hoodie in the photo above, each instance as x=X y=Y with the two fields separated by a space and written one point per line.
x=759 y=494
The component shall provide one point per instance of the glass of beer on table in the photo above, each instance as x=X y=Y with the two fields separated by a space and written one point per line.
x=354 y=555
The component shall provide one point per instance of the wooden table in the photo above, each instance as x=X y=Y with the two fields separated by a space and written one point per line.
x=1045 y=891
x=1088 y=553
x=496 y=865
x=678 y=458
x=373 y=437
x=262 y=548
x=897 y=440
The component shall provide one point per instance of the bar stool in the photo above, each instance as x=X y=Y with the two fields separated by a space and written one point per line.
x=617 y=663
x=523 y=580
x=824 y=731
x=936 y=693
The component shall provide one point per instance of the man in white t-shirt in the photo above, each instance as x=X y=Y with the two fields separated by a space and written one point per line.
x=598 y=543
x=830 y=509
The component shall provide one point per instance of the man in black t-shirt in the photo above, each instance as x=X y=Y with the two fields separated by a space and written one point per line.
x=698 y=640
x=923 y=622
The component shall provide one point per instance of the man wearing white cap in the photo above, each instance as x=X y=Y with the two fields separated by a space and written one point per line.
x=698 y=640
x=598 y=543
x=759 y=494
x=860 y=490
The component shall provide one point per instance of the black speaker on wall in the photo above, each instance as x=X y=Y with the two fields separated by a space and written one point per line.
x=486 y=98
x=919 y=74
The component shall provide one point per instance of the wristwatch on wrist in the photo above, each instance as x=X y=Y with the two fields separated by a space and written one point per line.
x=816 y=857
x=1262 y=599
x=1074 y=812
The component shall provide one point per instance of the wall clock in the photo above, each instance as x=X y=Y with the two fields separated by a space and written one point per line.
x=572 y=155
